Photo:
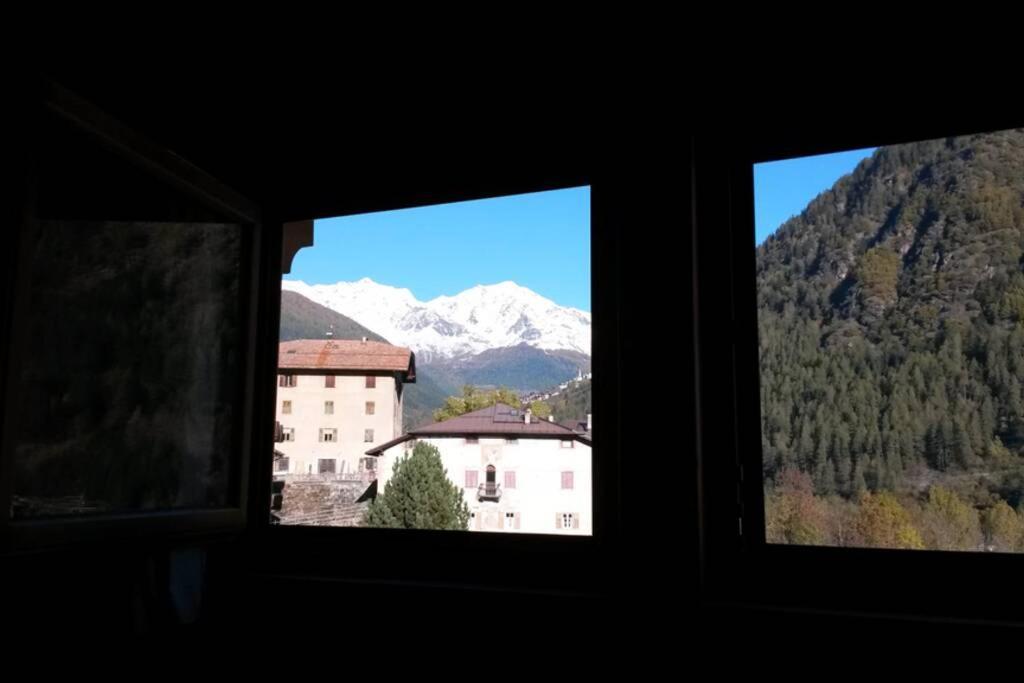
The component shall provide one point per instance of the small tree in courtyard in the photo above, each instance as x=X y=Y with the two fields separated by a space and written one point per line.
x=419 y=495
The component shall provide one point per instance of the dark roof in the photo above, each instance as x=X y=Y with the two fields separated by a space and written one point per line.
x=497 y=420
x=345 y=354
x=575 y=425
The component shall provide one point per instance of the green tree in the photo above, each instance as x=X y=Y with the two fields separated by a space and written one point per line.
x=419 y=495
x=540 y=409
x=474 y=399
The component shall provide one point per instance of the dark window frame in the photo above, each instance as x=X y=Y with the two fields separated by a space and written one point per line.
x=392 y=552
x=44 y=98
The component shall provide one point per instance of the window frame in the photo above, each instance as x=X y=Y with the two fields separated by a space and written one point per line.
x=445 y=556
x=737 y=566
x=45 y=98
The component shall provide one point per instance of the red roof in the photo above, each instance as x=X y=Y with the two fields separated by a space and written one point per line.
x=345 y=354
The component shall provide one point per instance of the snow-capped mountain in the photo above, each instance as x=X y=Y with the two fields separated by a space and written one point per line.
x=480 y=318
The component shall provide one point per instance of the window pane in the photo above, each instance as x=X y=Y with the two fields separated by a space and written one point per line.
x=891 y=331
x=129 y=338
x=469 y=325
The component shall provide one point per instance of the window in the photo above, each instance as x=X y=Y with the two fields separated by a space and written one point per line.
x=286 y=380
x=134 y=270
x=368 y=464
x=567 y=520
x=511 y=520
x=286 y=407
x=479 y=336
x=281 y=464
x=567 y=480
x=914 y=324
x=328 y=407
x=325 y=466
x=836 y=298
x=328 y=434
x=329 y=381
x=288 y=433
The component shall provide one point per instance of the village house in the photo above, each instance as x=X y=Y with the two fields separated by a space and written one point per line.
x=518 y=473
x=335 y=399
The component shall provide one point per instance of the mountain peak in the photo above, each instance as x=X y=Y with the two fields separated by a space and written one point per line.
x=482 y=317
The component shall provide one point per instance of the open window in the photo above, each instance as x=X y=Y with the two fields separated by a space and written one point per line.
x=868 y=413
x=436 y=555
x=463 y=327
x=130 y=310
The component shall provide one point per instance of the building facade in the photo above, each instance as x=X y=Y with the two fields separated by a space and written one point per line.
x=335 y=400
x=518 y=474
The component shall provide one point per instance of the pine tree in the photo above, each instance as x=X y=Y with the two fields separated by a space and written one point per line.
x=419 y=495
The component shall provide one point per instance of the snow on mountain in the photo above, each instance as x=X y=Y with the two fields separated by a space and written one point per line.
x=480 y=318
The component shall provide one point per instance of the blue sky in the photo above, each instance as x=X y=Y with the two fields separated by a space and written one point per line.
x=539 y=240
x=783 y=188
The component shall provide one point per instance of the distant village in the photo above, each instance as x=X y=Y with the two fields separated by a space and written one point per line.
x=551 y=393
x=339 y=413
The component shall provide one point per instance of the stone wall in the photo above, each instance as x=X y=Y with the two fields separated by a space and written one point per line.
x=310 y=502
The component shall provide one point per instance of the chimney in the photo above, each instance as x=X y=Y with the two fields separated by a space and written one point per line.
x=528 y=415
x=330 y=332
x=590 y=422
x=364 y=340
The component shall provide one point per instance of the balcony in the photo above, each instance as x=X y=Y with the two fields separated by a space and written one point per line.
x=488 y=491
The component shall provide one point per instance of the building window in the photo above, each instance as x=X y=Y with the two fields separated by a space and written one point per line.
x=567 y=480
x=286 y=407
x=329 y=381
x=511 y=520
x=510 y=480
x=567 y=443
x=286 y=380
x=370 y=407
x=368 y=435
x=368 y=464
x=325 y=466
x=471 y=440
x=371 y=382
x=328 y=434
x=472 y=479
x=281 y=465
x=328 y=407
x=568 y=520
x=289 y=433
